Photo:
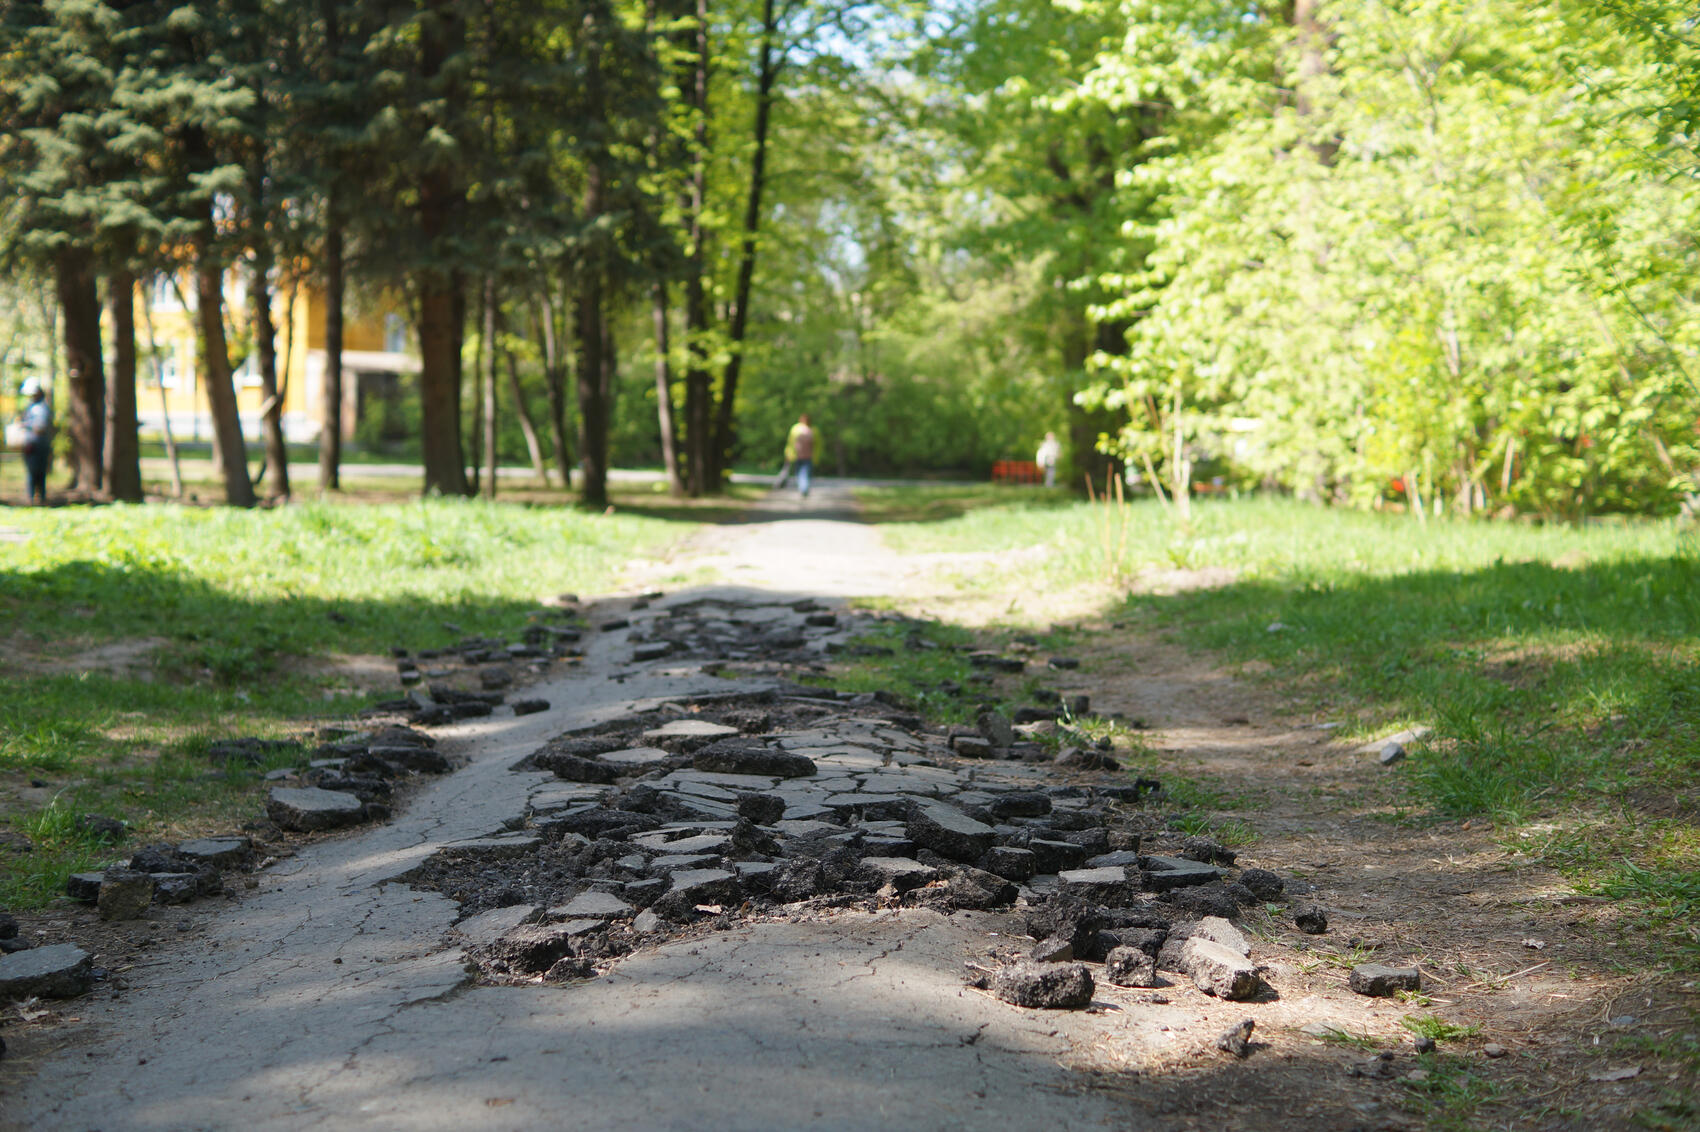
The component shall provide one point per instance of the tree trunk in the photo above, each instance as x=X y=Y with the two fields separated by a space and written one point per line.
x=592 y=407
x=610 y=366
x=1180 y=464
x=664 y=392
x=85 y=413
x=265 y=345
x=442 y=298
x=1311 y=34
x=724 y=428
x=533 y=443
x=592 y=331
x=487 y=367
x=555 y=385
x=123 y=453
x=1084 y=426
x=214 y=363
x=164 y=405
x=698 y=381
x=440 y=336
x=475 y=433
x=330 y=418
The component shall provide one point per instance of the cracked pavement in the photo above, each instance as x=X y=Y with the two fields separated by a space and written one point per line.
x=333 y=997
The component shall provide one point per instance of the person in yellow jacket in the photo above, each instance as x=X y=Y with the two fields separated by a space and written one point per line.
x=800 y=445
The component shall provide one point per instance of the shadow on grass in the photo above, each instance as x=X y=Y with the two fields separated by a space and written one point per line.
x=933 y=503
x=1567 y=694
x=1539 y=675
x=232 y=634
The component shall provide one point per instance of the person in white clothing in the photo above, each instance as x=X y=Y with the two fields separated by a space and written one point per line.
x=1050 y=451
x=37 y=421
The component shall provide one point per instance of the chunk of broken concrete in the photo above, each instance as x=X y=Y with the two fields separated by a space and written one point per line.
x=1055 y=949
x=594 y=905
x=1055 y=856
x=529 y=949
x=687 y=734
x=1101 y=886
x=1263 y=884
x=1217 y=930
x=61 y=970
x=748 y=756
x=763 y=809
x=1050 y=986
x=972 y=746
x=308 y=808
x=691 y=887
x=84 y=886
x=1130 y=967
x=948 y=831
x=1379 y=981
x=1009 y=862
x=996 y=728
x=125 y=894
x=1020 y=804
x=175 y=888
x=637 y=758
x=219 y=852
x=574 y=768
x=1310 y=919
x=1162 y=874
x=1220 y=971
x=1237 y=1039
x=901 y=873
x=487 y=927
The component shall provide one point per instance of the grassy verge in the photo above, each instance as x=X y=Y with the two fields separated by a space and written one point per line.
x=926 y=663
x=1559 y=666
x=231 y=623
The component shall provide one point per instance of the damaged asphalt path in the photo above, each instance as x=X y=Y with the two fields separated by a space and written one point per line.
x=338 y=996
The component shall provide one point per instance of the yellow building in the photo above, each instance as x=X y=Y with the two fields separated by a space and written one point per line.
x=379 y=353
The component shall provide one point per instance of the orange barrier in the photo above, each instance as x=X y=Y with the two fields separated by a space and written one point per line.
x=1017 y=471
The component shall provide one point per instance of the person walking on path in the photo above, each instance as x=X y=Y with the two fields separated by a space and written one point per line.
x=800 y=454
x=37 y=421
x=1050 y=451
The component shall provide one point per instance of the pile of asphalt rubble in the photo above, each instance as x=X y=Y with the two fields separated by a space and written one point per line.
x=703 y=814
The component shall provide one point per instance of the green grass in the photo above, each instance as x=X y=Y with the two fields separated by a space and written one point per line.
x=934 y=503
x=237 y=605
x=1438 y=1029
x=1364 y=1042
x=1452 y=1094
x=925 y=663
x=1559 y=665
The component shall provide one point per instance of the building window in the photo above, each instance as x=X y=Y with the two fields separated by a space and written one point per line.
x=395 y=334
x=162 y=295
x=247 y=374
x=165 y=370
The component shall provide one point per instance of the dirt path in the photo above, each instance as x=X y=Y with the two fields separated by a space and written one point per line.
x=332 y=998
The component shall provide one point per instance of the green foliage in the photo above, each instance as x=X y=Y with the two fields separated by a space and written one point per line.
x=1442 y=266
x=1436 y=1028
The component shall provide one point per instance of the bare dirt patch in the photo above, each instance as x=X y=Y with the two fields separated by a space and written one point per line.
x=351 y=672
x=124 y=659
x=1506 y=947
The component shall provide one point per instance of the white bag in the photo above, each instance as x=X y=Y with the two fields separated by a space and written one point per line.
x=17 y=435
